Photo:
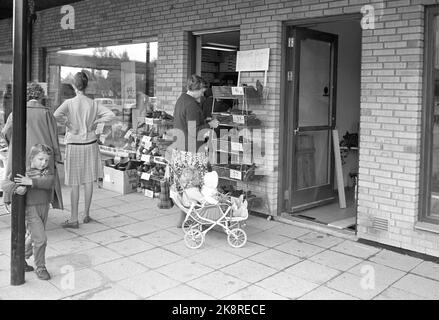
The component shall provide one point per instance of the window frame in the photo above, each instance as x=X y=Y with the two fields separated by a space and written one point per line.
x=431 y=12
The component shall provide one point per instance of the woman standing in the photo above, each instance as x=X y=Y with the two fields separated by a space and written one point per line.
x=41 y=129
x=83 y=164
x=189 y=119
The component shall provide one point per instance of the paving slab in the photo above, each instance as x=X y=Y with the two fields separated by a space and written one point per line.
x=299 y=248
x=155 y=258
x=218 y=284
x=107 y=236
x=287 y=285
x=396 y=260
x=161 y=238
x=427 y=269
x=323 y=240
x=419 y=286
x=312 y=271
x=382 y=275
x=148 y=284
x=325 y=293
x=109 y=291
x=398 y=294
x=356 y=249
x=356 y=286
x=215 y=258
x=184 y=270
x=335 y=260
x=253 y=292
x=275 y=259
x=180 y=291
x=249 y=271
x=130 y=246
x=120 y=269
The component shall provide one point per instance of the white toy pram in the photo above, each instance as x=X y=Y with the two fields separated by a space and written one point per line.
x=208 y=211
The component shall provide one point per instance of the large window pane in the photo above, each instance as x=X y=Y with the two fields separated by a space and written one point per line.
x=121 y=78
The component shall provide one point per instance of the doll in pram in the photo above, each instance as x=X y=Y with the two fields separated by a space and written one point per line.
x=193 y=190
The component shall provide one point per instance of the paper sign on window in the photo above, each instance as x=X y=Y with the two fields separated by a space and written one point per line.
x=235 y=174
x=149 y=193
x=145 y=158
x=238 y=119
x=145 y=176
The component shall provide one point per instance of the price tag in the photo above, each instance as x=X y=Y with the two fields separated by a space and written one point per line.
x=100 y=128
x=146 y=139
x=235 y=174
x=145 y=158
x=149 y=121
x=107 y=178
x=145 y=176
x=238 y=119
x=128 y=134
x=149 y=193
x=238 y=91
x=148 y=144
x=236 y=146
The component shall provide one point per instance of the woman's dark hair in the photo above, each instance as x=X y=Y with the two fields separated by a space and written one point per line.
x=34 y=91
x=196 y=83
x=80 y=81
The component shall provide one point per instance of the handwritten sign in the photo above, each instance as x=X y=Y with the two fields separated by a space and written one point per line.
x=235 y=174
x=253 y=60
x=145 y=176
x=238 y=91
x=236 y=146
x=238 y=119
x=149 y=193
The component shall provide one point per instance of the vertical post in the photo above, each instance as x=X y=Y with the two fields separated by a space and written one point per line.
x=19 y=74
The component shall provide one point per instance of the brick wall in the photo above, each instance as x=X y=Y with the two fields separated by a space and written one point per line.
x=391 y=89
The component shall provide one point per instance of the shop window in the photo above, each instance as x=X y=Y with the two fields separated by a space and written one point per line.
x=122 y=78
x=430 y=174
x=5 y=87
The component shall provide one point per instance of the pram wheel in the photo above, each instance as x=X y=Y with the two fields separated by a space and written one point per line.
x=237 y=238
x=194 y=238
x=188 y=224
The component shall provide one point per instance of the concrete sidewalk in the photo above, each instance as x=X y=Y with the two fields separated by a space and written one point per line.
x=134 y=251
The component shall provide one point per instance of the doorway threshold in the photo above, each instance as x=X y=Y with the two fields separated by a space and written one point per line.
x=316 y=226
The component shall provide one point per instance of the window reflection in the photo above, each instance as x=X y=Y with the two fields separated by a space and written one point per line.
x=121 y=78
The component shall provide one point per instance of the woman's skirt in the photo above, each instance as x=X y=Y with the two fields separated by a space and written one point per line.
x=83 y=164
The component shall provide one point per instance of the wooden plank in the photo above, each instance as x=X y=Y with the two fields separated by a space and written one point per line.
x=338 y=170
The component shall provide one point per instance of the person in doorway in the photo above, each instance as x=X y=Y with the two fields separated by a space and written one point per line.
x=83 y=164
x=37 y=185
x=41 y=128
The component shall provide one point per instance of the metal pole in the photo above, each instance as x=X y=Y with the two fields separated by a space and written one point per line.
x=18 y=229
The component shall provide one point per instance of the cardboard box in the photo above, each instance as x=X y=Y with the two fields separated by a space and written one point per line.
x=122 y=182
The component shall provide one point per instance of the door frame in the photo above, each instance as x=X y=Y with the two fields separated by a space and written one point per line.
x=293 y=120
x=283 y=141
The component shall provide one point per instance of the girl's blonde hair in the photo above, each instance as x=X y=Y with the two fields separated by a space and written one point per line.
x=39 y=148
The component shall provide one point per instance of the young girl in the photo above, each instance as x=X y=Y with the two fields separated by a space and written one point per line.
x=38 y=186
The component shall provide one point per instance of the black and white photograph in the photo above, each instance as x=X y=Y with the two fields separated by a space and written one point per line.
x=219 y=155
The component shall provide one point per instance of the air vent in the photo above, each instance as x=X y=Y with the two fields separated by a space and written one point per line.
x=380 y=224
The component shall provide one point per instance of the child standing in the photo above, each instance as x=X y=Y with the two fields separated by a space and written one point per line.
x=38 y=186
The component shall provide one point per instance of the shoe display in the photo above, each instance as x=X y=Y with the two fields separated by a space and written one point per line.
x=42 y=273
x=28 y=268
x=71 y=225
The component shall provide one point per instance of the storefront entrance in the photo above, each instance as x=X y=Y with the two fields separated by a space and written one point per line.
x=322 y=95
